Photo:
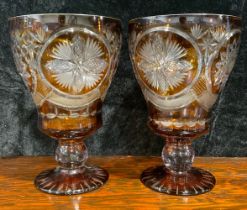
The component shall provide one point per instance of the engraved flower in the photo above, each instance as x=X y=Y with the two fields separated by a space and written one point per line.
x=208 y=45
x=219 y=33
x=77 y=64
x=226 y=63
x=196 y=31
x=162 y=63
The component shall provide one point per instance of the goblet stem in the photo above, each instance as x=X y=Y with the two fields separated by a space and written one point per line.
x=71 y=176
x=71 y=154
x=177 y=176
x=178 y=155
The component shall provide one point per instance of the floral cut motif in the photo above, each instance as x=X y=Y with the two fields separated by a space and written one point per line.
x=209 y=39
x=225 y=64
x=26 y=46
x=77 y=64
x=163 y=64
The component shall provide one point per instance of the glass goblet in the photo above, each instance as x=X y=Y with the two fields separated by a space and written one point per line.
x=182 y=63
x=67 y=61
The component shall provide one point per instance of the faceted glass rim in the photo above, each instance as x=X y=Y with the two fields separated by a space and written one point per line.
x=153 y=17
x=65 y=14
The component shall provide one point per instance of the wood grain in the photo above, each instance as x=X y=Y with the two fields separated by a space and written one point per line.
x=123 y=190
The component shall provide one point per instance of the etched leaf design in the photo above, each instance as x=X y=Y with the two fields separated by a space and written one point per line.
x=226 y=63
x=112 y=38
x=77 y=45
x=60 y=66
x=96 y=64
x=27 y=44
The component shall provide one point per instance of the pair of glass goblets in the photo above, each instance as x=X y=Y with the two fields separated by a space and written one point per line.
x=181 y=62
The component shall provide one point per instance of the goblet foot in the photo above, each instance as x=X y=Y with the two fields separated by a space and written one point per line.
x=61 y=181
x=194 y=182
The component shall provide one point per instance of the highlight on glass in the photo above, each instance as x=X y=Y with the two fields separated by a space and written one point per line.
x=182 y=63
x=67 y=61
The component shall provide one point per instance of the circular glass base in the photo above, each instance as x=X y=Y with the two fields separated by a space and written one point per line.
x=194 y=182
x=62 y=181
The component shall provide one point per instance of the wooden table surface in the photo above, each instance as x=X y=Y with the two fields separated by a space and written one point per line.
x=123 y=190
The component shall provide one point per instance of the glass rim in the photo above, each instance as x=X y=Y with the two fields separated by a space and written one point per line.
x=65 y=14
x=134 y=20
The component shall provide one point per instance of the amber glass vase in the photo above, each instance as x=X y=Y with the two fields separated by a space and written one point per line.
x=67 y=61
x=182 y=63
